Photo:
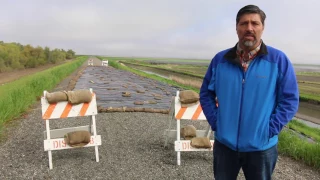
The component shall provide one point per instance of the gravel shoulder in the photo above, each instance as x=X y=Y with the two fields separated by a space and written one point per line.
x=132 y=148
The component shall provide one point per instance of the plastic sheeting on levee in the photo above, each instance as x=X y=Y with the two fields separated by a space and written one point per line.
x=110 y=84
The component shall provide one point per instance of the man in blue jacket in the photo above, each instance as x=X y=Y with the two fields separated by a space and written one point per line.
x=256 y=91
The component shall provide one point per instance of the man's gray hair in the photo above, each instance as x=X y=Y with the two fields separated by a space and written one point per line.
x=249 y=9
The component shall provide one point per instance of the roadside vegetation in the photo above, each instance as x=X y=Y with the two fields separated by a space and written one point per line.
x=15 y=56
x=295 y=144
x=17 y=96
x=312 y=133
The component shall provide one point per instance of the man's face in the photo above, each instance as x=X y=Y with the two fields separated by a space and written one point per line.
x=249 y=30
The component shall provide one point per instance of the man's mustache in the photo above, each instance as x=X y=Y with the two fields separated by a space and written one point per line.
x=249 y=34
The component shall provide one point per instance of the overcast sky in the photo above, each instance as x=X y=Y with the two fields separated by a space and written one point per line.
x=158 y=28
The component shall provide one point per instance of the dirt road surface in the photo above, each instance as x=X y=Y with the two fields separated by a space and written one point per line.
x=132 y=148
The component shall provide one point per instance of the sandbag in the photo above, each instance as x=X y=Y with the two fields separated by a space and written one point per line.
x=188 y=96
x=200 y=142
x=77 y=138
x=56 y=97
x=188 y=132
x=189 y=104
x=79 y=96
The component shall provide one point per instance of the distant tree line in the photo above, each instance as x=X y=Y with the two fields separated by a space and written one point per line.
x=17 y=56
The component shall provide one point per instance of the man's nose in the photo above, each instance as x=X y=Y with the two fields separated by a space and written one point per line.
x=250 y=27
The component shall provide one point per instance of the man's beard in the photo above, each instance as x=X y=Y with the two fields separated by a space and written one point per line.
x=249 y=43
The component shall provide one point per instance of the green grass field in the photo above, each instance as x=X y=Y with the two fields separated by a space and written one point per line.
x=17 y=96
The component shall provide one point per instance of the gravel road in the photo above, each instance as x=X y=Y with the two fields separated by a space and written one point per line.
x=132 y=148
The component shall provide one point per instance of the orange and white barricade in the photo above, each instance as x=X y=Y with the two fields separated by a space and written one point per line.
x=90 y=62
x=178 y=113
x=104 y=63
x=54 y=139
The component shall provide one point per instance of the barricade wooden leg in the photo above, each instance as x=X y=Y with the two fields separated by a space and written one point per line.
x=95 y=135
x=48 y=137
x=91 y=125
x=170 y=119
x=178 y=139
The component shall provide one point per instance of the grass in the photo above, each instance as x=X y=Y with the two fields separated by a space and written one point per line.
x=17 y=96
x=308 y=82
x=191 y=83
x=309 y=97
x=313 y=133
x=308 y=73
x=182 y=71
x=300 y=149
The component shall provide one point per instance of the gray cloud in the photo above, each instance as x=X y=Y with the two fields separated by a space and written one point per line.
x=180 y=28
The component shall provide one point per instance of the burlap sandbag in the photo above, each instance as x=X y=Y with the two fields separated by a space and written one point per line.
x=200 y=142
x=56 y=97
x=77 y=138
x=188 y=132
x=189 y=104
x=188 y=96
x=79 y=96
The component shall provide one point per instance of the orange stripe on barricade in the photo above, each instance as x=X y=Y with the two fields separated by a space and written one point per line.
x=66 y=111
x=197 y=113
x=84 y=109
x=49 y=111
x=181 y=112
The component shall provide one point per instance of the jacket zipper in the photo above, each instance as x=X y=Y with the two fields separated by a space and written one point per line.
x=241 y=102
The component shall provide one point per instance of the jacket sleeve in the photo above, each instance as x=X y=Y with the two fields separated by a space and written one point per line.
x=207 y=96
x=287 y=97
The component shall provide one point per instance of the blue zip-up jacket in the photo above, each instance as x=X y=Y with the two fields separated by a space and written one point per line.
x=253 y=105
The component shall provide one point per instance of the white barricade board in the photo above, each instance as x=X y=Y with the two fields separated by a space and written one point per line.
x=184 y=145
x=59 y=143
x=65 y=109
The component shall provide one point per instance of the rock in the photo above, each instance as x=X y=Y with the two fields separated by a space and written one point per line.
x=152 y=102
x=138 y=102
x=111 y=88
x=140 y=91
x=126 y=94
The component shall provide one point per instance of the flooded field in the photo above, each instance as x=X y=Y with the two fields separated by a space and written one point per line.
x=307 y=68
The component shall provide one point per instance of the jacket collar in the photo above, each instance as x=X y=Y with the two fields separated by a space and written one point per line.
x=231 y=55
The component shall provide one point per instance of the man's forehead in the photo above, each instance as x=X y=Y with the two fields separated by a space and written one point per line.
x=250 y=17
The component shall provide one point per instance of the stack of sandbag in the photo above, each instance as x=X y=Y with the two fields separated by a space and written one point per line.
x=189 y=132
x=79 y=96
x=56 y=97
x=200 y=142
x=77 y=138
x=73 y=97
x=188 y=98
